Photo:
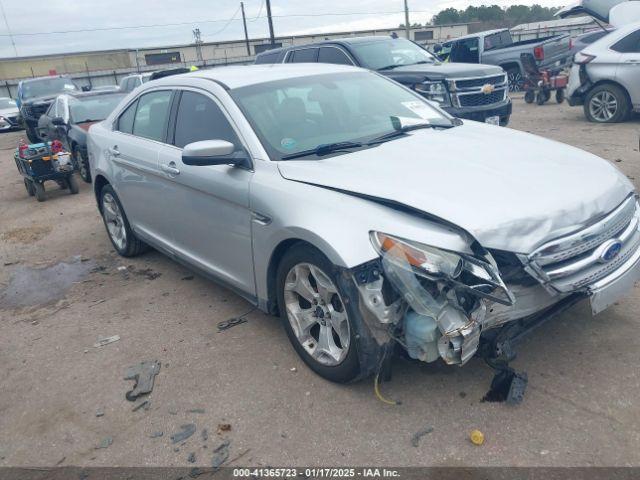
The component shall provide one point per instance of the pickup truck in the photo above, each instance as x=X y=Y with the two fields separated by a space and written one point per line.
x=473 y=92
x=496 y=47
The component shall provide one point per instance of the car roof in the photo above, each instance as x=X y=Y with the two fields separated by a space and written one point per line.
x=241 y=76
x=333 y=41
x=91 y=93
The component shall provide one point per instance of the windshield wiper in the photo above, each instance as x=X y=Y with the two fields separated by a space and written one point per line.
x=401 y=131
x=323 y=149
x=389 y=67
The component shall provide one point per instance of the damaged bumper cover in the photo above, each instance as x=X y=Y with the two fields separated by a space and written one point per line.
x=437 y=303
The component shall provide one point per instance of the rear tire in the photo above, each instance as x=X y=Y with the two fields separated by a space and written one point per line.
x=72 y=183
x=327 y=322
x=39 y=191
x=515 y=79
x=115 y=220
x=82 y=165
x=540 y=98
x=607 y=104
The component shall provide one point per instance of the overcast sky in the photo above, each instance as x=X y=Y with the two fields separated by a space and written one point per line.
x=211 y=16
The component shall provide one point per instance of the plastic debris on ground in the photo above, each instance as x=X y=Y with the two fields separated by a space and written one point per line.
x=220 y=454
x=106 y=341
x=415 y=440
x=143 y=374
x=476 y=437
x=187 y=430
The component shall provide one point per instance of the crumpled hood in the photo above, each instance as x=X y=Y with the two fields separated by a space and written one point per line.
x=510 y=190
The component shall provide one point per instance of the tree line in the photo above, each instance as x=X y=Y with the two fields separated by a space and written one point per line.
x=491 y=16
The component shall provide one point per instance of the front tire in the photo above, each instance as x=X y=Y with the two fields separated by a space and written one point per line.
x=115 y=221
x=72 y=184
x=32 y=135
x=38 y=188
x=606 y=104
x=529 y=96
x=325 y=331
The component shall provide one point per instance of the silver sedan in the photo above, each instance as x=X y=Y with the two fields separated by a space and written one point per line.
x=360 y=213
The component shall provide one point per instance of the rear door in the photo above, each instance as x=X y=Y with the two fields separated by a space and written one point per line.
x=628 y=69
x=208 y=205
x=139 y=133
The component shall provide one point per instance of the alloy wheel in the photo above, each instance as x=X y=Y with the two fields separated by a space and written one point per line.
x=317 y=314
x=603 y=106
x=516 y=82
x=114 y=220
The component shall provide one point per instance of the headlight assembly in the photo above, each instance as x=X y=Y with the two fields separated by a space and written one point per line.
x=478 y=276
x=434 y=91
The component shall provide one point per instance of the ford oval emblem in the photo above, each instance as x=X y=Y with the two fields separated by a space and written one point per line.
x=610 y=250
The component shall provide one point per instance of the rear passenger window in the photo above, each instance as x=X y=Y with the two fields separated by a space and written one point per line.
x=200 y=118
x=125 y=121
x=152 y=115
x=306 y=55
x=267 y=58
x=629 y=44
x=333 y=55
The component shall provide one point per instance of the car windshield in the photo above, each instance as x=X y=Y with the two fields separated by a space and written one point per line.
x=390 y=53
x=298 y=114
x=93 y=108
x=47 y=87
x=7 y=103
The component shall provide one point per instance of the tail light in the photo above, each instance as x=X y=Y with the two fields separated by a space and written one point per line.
x=538 y=52
x=582 y=58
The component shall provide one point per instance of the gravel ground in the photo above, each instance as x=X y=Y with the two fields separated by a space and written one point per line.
x=62 y=287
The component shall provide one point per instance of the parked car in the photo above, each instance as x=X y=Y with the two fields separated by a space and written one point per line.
x=496 y=47
x=582 y=41
x=9 y=114
x=68 y=119
x=35 y=95
x=131 y=82
x=465 y=91
x=361 y=213
x=605 y=77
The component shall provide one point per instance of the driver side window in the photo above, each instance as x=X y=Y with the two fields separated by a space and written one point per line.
x=200 y=118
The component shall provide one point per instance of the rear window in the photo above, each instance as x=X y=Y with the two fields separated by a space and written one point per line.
x=305 y=55
x=267 y=58
x=497 y=40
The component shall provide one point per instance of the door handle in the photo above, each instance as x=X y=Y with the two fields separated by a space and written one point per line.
x=170 y=168
x=114 y=151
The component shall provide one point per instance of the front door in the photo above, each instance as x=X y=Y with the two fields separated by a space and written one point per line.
x=209 y=205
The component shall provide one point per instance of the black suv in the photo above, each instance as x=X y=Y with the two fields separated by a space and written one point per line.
x=474 y=92
x=35 y=95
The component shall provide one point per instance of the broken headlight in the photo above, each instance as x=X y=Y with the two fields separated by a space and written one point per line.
x=434 y=91
x=478 y=276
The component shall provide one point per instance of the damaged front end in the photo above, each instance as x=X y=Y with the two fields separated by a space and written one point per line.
x=433 y=301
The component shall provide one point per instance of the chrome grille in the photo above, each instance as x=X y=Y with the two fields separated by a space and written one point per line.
x=479 y=99
x=478 y=91
x=575 y=261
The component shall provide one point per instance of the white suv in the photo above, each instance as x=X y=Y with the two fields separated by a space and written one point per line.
x=605 y=77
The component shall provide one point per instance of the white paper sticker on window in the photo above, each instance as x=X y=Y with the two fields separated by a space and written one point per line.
x=421 y=109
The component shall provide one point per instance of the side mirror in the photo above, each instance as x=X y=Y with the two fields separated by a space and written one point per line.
x=86 y=88
x=213 y=152
x=58 y=121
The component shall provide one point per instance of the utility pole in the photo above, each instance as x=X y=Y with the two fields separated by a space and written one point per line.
x=198 y=41
x=271 y=38
x=246 y=35
x=407 y=27
x=6 y=22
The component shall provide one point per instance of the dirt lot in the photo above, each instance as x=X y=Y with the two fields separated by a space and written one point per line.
x=581 y=407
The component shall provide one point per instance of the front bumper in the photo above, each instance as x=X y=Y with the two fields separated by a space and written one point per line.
x=480 y=114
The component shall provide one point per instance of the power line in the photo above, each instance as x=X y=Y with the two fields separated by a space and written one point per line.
x=226 y=24
x=6 y=22
x=259 y=13
x=232 y=19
